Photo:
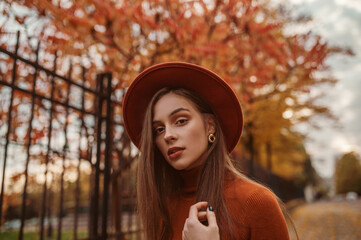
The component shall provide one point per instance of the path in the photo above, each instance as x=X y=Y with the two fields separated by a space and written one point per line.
x=328 y=220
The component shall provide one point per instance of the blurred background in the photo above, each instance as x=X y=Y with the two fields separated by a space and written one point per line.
x=67 y=168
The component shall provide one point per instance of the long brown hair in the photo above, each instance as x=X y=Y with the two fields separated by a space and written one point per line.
x=157 y=180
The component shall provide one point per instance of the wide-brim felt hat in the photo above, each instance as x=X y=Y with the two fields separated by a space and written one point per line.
x=211 y=87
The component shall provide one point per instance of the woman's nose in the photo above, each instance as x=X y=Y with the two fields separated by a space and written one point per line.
x=169 y=134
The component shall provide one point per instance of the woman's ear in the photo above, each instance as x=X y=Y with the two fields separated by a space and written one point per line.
x=210 y=123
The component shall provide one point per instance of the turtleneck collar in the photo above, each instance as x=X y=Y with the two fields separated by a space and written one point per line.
x=190 y=179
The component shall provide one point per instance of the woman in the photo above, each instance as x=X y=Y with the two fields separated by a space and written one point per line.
x=186 y=120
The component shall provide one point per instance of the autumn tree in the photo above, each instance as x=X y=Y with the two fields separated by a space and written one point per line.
x=244 y=41
x=348 y=173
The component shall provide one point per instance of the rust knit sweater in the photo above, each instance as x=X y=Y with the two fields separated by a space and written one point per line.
x=253 y=207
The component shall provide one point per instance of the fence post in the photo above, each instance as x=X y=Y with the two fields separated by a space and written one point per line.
x=107 y=78
x=23 y=207
x=9 y=125
x=45 y=187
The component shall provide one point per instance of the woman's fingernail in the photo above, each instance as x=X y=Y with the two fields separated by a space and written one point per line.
x=210 y=208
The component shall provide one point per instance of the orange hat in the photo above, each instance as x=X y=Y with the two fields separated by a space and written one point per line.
x=206 y=83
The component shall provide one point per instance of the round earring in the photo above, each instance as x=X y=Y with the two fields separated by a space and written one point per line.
x=211 y=138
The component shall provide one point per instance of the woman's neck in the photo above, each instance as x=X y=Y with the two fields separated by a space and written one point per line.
x=190 y=178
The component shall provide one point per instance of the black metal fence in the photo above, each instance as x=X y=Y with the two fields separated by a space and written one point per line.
x=66 y=166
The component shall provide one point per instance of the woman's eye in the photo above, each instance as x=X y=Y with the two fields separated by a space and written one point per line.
x=158 y=130
x=181 y=121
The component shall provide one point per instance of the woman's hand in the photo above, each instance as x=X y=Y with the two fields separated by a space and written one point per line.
x=195 y=230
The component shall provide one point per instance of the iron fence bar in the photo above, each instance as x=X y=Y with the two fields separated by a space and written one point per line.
x=108 y=153
x=43 y=209
x=45 y=98
x=23 y=208
x=57 y=102
x=60 y=213
x=52 y=151
x=39 y=67
x=65 y=149
x=95 y=200
x=91 y=202
x=59 y=153
x=77 y=188
x=116 y=202
x=50 y=226
x=9 y=126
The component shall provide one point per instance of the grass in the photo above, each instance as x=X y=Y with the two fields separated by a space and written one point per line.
x=34 y=235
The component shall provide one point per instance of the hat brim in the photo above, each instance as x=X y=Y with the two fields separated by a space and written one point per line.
x=207 y=84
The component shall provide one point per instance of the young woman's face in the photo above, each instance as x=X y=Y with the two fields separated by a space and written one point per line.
x=181 y=131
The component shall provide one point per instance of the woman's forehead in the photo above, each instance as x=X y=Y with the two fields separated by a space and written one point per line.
x=172 y=103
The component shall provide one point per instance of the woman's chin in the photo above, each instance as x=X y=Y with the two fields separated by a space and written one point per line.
x=179 y=165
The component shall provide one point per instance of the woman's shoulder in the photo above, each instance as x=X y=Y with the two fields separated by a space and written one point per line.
x=248 y=193
x=255 y=206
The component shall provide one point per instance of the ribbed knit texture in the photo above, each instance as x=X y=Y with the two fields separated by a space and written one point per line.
x=253 y=207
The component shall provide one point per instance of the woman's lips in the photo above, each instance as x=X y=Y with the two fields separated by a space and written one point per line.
x=175 y=152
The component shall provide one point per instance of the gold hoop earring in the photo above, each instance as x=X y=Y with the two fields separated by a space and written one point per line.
x=211 y=138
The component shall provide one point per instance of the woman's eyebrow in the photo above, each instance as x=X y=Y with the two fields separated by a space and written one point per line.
x=172 y=113
x=179 y=110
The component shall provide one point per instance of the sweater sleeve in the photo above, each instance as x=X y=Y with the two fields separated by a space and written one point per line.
x=264 y=216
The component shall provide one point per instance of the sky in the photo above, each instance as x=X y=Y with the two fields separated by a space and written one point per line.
x=339 y=23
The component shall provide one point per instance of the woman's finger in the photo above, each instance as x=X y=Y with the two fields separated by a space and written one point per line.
x=194 y=209
x=202 y=216
x=212 y=222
